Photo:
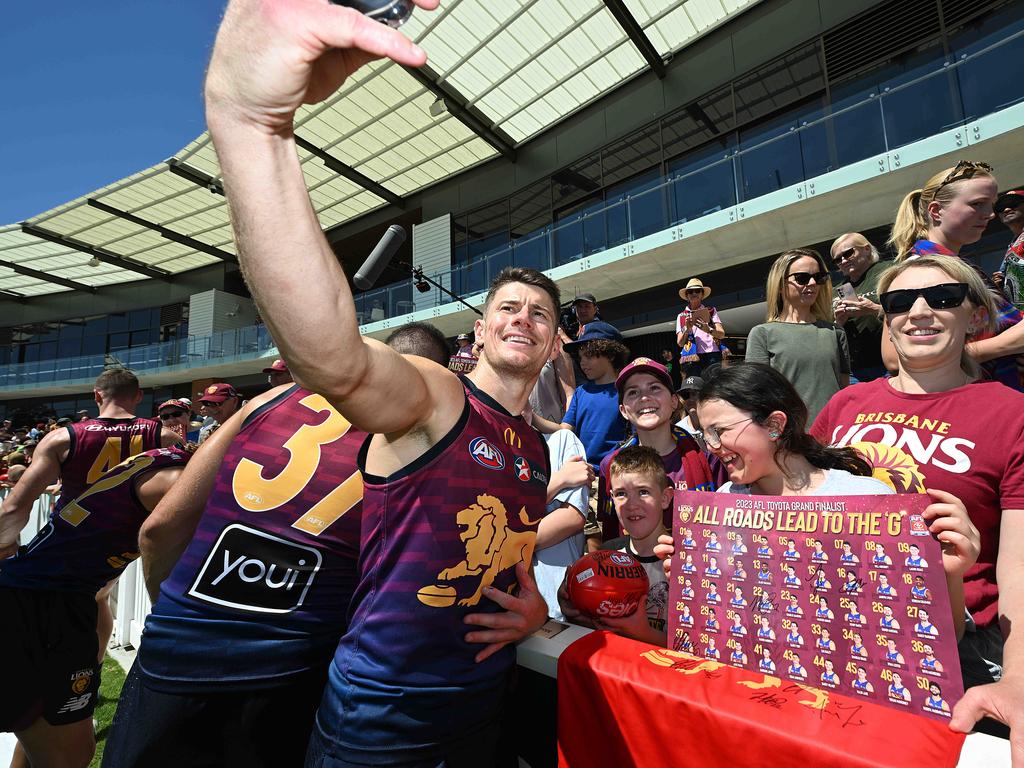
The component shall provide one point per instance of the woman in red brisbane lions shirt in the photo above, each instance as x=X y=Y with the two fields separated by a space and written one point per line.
x=933 y=426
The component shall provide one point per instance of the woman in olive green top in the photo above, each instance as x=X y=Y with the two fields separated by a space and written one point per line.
x=800 y=339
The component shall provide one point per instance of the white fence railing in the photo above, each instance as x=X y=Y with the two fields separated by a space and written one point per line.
x=129 y=600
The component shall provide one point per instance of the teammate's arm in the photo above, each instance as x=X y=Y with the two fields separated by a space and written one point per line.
x=172 y=523
x=169 y=437
x=44 y=470
x=268 y=60
x=1004 y=700
x=153 y=486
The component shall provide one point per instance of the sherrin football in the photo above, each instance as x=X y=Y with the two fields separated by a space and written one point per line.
x=607 y=584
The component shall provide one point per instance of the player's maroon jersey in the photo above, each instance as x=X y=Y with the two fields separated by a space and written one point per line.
x=435 y=534
x=270 y=571
x=100 y=444
x=93 y=537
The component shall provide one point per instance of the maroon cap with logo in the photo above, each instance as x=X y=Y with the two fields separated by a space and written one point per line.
x=217 y=393
x=278 y=366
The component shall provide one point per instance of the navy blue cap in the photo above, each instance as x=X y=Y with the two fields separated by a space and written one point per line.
x=595 y=331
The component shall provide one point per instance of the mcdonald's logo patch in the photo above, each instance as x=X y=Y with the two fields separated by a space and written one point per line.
x=485 y=454
x=512 y=439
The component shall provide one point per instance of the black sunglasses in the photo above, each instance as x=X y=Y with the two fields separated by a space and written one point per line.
x=803 y=278
x=842 y=256
x=944 y=296
x=171 y=415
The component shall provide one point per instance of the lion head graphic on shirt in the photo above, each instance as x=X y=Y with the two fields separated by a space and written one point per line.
x=892 y=466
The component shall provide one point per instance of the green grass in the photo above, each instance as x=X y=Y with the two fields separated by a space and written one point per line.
x=110 y=691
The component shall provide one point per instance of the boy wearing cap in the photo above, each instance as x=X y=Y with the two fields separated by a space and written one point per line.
x=647 y=402
x=700 y=325
x=278 y=373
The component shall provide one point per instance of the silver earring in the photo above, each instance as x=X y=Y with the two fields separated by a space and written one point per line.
x=773 y=435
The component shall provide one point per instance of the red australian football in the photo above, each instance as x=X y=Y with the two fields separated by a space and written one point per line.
x=607 y=584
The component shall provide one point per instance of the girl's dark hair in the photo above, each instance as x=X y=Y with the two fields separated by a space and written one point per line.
x=759 y=389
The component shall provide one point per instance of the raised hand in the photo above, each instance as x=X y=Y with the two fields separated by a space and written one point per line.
x=272 y=56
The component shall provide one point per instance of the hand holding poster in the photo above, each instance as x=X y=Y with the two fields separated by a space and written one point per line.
x=843 y=593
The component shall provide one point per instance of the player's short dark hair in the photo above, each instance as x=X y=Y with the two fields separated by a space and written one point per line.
x=421 y=339
x=617 y=352
x=641 y=460
x=526 y=276
x=117 y=384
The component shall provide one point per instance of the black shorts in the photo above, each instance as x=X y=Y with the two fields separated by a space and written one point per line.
x=48 y=650
x=250 y=728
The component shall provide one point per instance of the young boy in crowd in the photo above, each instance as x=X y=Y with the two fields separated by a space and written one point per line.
x=641 y=492
x=648 y=404
x=593 y=412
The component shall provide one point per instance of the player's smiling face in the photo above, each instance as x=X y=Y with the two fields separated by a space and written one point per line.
x=646 y=402
x=639 y=503
x=518 y=328
x=746 y=451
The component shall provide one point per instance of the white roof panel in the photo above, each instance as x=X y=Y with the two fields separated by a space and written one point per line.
x=520 y=68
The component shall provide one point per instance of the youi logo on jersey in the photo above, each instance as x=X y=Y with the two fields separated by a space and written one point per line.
x=252 y=570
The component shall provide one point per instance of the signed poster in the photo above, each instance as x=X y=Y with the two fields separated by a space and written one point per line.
x=843 y=593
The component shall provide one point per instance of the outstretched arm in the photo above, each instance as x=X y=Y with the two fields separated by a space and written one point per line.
x=44 y=470
x=271 y=57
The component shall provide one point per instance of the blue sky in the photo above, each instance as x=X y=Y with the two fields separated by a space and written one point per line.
x=92 y=92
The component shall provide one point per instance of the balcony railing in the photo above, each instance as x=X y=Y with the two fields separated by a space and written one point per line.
x=954 y=93
x=188 y=353
x=822 y=140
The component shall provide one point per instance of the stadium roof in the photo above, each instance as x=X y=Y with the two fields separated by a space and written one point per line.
x=499 y=74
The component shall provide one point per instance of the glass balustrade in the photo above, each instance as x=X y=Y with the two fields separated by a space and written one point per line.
x=928 y=100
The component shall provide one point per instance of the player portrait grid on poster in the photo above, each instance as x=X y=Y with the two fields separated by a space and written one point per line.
x=864 y=612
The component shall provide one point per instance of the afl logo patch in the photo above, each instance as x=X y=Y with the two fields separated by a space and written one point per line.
x=485 y=454
x=522 y=468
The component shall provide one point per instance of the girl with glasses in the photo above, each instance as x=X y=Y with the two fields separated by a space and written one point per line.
x=800 y=339
x=933 y=427
x=952 y=210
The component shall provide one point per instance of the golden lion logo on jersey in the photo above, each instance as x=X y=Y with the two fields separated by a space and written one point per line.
x=491 y=547
x=892 y=466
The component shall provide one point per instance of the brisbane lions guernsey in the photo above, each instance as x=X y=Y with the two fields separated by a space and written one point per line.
x=262 y=591
x=435 y=534
x=93 y=537
x=99 y=444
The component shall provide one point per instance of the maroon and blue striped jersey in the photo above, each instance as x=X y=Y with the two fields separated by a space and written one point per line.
x=435 y=534
x=100 y=444
x=262 y=591
x=91 y=538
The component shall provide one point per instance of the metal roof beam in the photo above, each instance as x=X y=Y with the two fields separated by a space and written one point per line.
x=197 y=177
x=457 y=106
x=350 y=173
x=636 y=33
x=13 y=296
x=105 y=256
x=164 y=232
x=29 y=272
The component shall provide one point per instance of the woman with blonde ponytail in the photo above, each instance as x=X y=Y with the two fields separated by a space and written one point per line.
x=950 y=211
